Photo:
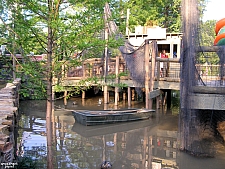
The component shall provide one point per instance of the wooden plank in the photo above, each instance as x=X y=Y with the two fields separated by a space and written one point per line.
x=209 y=90
x=7 y=102
x=176 y=60
x=154 y=93
x=3 y=108
x=167 y=85
x=208 y=48
x=206 y=101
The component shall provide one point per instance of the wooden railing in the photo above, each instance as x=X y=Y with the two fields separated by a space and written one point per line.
x=166 y=69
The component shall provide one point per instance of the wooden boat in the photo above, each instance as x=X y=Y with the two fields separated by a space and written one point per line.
x=89 y=118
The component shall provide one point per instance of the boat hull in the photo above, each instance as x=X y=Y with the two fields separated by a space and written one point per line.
x=89 y=118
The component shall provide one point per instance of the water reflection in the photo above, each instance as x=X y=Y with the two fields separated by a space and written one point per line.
x=148 y=144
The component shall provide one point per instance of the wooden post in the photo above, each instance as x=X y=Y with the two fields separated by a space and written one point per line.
x=91 y=69
x=117 y=81
x=65 y=97
x=171 y=49
x=84 y=70
x=133 y=94
x=129 y=96
x=105 y=94
x=154 y=54
x=124 y=96
x=106 y=106
x=146 y=74
x=158 y=71
x=178 y=49
x=106 y=61
x=83 y=94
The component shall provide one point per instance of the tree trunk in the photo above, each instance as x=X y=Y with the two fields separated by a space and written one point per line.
x=49 y=93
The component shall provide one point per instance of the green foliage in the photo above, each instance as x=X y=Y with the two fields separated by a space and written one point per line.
x=26 y=163
x=207 y=36
x=66 y=31
x=123 y=74
x=164 y=13
x=207 y=33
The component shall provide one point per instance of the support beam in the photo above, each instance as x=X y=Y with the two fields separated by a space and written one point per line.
x=105 y=94
x=124 y=96
x=178 y=50
x=171 y=49
x=83 y=94
x=208 y=90
x=65 y=98
x=152 y=77
x=146 y=74
x=117 y=81
x=209 y=48
x=206 y=101
x=129 y=96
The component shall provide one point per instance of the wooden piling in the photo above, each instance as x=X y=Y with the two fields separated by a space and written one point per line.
x=146 y=74
x=105 y=94
x=65 y=98
x=117 y=81
x=83 y=94
x=152 y=75
x=129 y=96
x=124 y=96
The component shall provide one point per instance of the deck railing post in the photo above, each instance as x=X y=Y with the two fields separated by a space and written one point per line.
x=146 y=74
x=117 y=81
x=152 y=75
x=129 y=96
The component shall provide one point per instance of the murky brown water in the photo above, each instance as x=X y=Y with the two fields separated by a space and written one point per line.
x=148 y=144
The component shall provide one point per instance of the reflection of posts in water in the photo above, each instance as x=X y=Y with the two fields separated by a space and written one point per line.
x=83 y=102
x=145 y=148
x=103 y=150
x=55 y=138
x=106 y=106
x=115 y=143
x=54 y=129
x=150 y=151
x=157 y=102
x=61 y=132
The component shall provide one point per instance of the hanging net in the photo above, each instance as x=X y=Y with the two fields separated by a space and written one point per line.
x=133 y=56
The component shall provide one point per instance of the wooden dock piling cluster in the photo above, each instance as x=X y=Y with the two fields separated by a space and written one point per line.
x=9 y=103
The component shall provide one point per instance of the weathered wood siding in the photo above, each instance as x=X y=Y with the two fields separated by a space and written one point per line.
x=9 y=103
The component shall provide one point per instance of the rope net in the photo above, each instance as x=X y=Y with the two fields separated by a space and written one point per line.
x=135 y=59
x=133 y=56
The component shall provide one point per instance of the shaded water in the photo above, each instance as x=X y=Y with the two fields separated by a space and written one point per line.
x=148 y=144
